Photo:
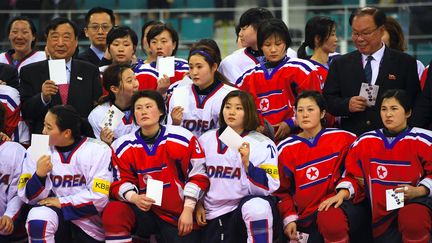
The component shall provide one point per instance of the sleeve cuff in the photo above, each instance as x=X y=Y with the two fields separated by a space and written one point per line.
x=290 y=219
x=427 y=182
x=346 y=185
x=192 y=190
x=43 y=101
x=124 y=189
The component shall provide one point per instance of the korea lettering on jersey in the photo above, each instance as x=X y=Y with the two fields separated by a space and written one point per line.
x=98 y=114
x=227 y=172
x=202 y=113
x=176 y=158
x=309 y=170
x=386 y=163
x=11 y=158
x=80 y=180
x=275 y=91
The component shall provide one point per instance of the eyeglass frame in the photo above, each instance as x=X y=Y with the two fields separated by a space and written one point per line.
x=363 y=34
x=103 y=27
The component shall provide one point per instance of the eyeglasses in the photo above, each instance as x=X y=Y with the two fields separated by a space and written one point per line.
x=364 y=34
x=96 y=27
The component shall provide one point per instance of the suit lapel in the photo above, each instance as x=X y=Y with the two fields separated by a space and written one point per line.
x=385 y=65
x=73 y=82
x=358 y=70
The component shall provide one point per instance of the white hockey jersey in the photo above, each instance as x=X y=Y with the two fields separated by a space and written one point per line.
x=34 y=56
x=98 y=114
x=80 y=180
x=201 y=114
x=11 y=158
x=227 y=173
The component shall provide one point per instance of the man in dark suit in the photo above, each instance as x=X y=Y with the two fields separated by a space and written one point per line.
x=99 y=22
x=9 y=75
x=371 y=63
x=39 y=93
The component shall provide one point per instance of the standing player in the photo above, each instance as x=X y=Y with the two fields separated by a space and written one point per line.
x=12 y=219
x=204 y=96
x=276 y=82
x=396 y=157
x=170 y=154
x=69 y=186
x=120 y=83
x=249 y=174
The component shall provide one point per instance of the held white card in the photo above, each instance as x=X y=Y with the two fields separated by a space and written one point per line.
x=369 y=92
x=39 y=146
x=231 y=138
x=181 y=99
x=154 y=190
x=165 y=65
x=112 y=118
x=302 y=238
x=57 y=71
x=394 y=199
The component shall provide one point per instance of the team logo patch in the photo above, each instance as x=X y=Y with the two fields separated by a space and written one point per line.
x=382 y=172
x=312 y=173
x=23 y=180
x=272 y=170
x=101 y=186
x=264 y=104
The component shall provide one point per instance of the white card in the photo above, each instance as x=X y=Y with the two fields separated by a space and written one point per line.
x=39 y=146
x=370 y=92
x=112 y=118
x=57 y=71
x=394 y=199
x=154 y=190
x=165 y=65
x=181 y=99
x=302 y=238
x=231 y=138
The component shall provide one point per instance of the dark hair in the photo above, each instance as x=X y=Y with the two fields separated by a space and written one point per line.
x=396 y=35
x=400 y=95
x=250 y=120
x=68 y=118
x=153 y=95
x=147 y=24
x=273 y=27
x=2 y=118
x=320 y=26
x=112 y=77
x=121 y=32
x=254 y=17
x=212 y=45
x=96 y=10
x=317 y=97
x=377 y=14
x=158 y=29
x=210 y=55
x=53 y=24
x=30 y=22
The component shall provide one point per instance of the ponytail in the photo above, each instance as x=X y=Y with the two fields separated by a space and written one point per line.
x=301 y=52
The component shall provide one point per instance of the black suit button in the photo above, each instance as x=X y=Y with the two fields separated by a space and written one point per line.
x=368 y=123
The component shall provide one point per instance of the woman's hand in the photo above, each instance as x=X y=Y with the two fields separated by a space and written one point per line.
x=282 y=130
x=337 y=200
x=244 y=151
x=411 y=192
x=6 y=225
x=163 y=84
x=185 y=223
x=50 y=202
x=177 y=115
x=107 y=135
x=142 y=201
x=43 y=166
x=291 y=231
x=200 y=214
x=4 y=137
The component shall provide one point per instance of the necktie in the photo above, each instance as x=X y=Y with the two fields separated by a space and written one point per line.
x=63 y=89
x=368 y=69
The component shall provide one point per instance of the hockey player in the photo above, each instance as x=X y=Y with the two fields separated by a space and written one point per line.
x=170 y=154
x=120 y=83
x=249 y=174
x=398 y=158
x=204 y=96
x=12 y=217
x=276 y=82
x=69 y=186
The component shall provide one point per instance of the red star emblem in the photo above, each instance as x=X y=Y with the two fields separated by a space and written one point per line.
x=382 y=172
x=264 y=104
x=312 y=173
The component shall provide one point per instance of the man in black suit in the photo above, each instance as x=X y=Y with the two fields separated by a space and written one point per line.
x=9 y=75
x=39 y=93
x=387 y=69
x=99 y=22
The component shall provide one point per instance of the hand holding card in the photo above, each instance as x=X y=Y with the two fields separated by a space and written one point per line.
x=39 y=146
x=165 y=65
x=155 y=190
x=394 y=200
x=57 y=71
x=113 y=118
x=369 y=92
x=231 y=138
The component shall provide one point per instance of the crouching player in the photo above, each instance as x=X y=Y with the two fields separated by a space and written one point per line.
x=69 y=186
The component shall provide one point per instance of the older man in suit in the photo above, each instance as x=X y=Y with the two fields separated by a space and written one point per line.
x=372 y=63
x=39 y=93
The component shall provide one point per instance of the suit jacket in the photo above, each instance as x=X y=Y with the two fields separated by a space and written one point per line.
x=422 y=113
x=84 y=90
x=9 y=74
x=89 y=56
x=397 y=71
